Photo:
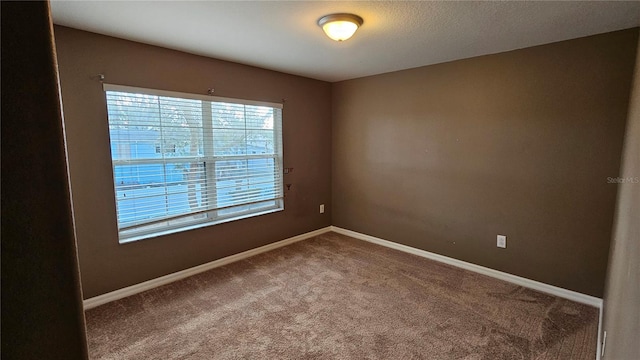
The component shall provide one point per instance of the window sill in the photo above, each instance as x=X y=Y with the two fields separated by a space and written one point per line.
x=151 y=235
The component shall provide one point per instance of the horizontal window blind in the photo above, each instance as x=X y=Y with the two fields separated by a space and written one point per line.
x=183 y=159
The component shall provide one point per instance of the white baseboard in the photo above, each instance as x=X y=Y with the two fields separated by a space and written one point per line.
x=148 y=285
x=599 y=345
x=531 y=284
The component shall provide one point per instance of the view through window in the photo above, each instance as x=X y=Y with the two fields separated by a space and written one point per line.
x=184 y=160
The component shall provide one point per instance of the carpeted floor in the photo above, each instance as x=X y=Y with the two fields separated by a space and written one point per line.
x=333 y=297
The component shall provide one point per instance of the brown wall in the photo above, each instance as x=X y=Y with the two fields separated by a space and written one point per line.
x=42 y=315
x=622 y=295
x=445 y=157
x=106 y=265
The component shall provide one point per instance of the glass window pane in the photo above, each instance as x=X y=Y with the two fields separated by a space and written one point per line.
x=156 y=191
x=182 y=131
x=259 y=117
x=227 y=115
x=260 y=142
x=229 y=142
x=230 y=181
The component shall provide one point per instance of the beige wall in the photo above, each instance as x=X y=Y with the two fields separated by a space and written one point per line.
x=622 y=295
x=106 y=265
x=445 y=157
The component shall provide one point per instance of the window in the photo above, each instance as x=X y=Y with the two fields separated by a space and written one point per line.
x=182 y=160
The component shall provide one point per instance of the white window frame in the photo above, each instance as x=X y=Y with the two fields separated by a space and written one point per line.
x=206 y=217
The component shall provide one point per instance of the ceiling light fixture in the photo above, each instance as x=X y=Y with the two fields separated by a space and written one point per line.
x=340 y=27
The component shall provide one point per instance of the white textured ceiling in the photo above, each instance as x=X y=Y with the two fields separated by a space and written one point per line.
x=284 y=36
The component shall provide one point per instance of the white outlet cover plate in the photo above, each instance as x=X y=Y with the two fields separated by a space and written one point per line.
x=502 y=241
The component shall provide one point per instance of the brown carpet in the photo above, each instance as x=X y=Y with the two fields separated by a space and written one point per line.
x=334 y=297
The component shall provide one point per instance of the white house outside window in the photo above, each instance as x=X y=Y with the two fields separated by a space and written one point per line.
x=184 y=160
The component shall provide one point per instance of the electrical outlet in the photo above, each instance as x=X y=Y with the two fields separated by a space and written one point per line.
x=502 y=241
x=321 y=208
